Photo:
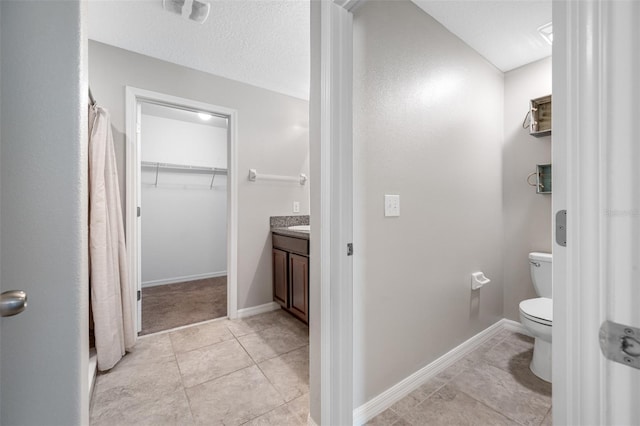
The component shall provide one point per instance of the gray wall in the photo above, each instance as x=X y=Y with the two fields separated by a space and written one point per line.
x=527 y=215
x=273 y=137
x=44 y=251
x=428 y=125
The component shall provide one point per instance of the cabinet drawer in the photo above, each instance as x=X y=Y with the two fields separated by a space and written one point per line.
x=295 y=245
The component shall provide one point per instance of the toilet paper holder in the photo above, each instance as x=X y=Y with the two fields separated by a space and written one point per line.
x=478 y=279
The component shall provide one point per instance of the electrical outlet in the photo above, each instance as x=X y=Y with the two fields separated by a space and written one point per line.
x=391 y=205
x=296 y=206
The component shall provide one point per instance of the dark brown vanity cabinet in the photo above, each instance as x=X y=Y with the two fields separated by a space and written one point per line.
x=299 y=286
x=290 y=265
x=280 y=286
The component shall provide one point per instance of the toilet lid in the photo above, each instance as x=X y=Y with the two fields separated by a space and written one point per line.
x=539 y=309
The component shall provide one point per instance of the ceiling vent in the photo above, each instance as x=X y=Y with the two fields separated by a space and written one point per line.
x=194 y=10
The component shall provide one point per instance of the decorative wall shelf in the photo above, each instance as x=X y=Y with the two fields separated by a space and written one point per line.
x=543 y=179
x=540 y=122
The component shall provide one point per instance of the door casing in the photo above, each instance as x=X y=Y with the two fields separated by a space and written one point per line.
x=134 y=97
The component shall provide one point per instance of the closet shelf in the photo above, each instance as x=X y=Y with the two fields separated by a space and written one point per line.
x=214 y=171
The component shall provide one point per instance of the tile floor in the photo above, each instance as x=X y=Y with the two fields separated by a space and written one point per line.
x=253 y=371
x=174 y=305
x=491 y=386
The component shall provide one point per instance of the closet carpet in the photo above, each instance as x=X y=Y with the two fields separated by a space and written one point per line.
x=174 y=305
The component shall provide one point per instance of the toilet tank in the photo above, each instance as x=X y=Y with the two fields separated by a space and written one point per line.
x=540 y=264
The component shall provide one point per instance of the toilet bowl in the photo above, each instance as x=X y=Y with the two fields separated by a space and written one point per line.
x=536 y=315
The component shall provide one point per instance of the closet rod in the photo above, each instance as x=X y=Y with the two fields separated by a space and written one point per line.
x=198 y=169
x=184 y=167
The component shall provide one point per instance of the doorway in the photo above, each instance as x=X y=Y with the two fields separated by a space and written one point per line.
x=181 y=226
x=183 y=193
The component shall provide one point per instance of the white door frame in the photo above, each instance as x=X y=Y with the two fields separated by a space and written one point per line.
x=335 y=227
x=595 y=89
x=134 y=97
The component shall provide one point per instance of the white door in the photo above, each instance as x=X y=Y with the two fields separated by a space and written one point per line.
x=43 y=213
x=596 y=160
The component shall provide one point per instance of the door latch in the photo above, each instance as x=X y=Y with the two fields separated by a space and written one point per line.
x=561 y=228
x=350 y=249
x=620 y=343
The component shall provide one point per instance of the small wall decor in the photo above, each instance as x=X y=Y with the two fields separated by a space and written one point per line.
x=540 y=113
x=543 y=179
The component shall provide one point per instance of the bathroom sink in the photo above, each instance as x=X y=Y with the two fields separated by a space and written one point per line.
x=303 y=228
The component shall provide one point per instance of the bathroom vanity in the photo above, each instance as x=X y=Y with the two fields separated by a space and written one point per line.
x=290 y=270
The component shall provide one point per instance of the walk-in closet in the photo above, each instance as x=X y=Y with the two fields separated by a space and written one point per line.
x=183 y=217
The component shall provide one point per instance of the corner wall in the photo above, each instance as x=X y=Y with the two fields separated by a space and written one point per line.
x=527 y=215
x=273 y=137
x=428 y=125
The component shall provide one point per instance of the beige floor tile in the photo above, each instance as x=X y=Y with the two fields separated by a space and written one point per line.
x=162 y=374
x=504 y=393
x=386 y=418
x=241 y=327
x=148 y=350
x=204 y=364
x=281 y=416
x=402 y=422
x=139 y=397
x=521 y=373
x=289 y=373
x=520 y=338
x=199 y=336
x=477 y=356
x=300 y=407
x=273 y=341
x=510 y=355
x=458 y=367
x=233 y=399
x=548 y=419
x=449 y=406
x=168 y=409
x=417 y=396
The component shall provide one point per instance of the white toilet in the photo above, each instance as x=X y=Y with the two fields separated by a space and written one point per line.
x=536 y=315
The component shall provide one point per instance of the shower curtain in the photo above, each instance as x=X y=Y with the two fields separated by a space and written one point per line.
x=111 y=297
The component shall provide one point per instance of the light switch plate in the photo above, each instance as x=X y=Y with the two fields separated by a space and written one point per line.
x=296 y=206
x=391 y=205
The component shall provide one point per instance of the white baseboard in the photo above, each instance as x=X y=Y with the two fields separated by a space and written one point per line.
x=386 y=399
x=186 y=278
x=260 y=309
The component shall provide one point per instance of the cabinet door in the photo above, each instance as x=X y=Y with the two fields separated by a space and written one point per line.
x=279 y=267
x=299 y=278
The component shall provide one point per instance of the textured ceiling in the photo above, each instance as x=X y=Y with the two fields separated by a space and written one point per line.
x=264 y=43
x=505 y=32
